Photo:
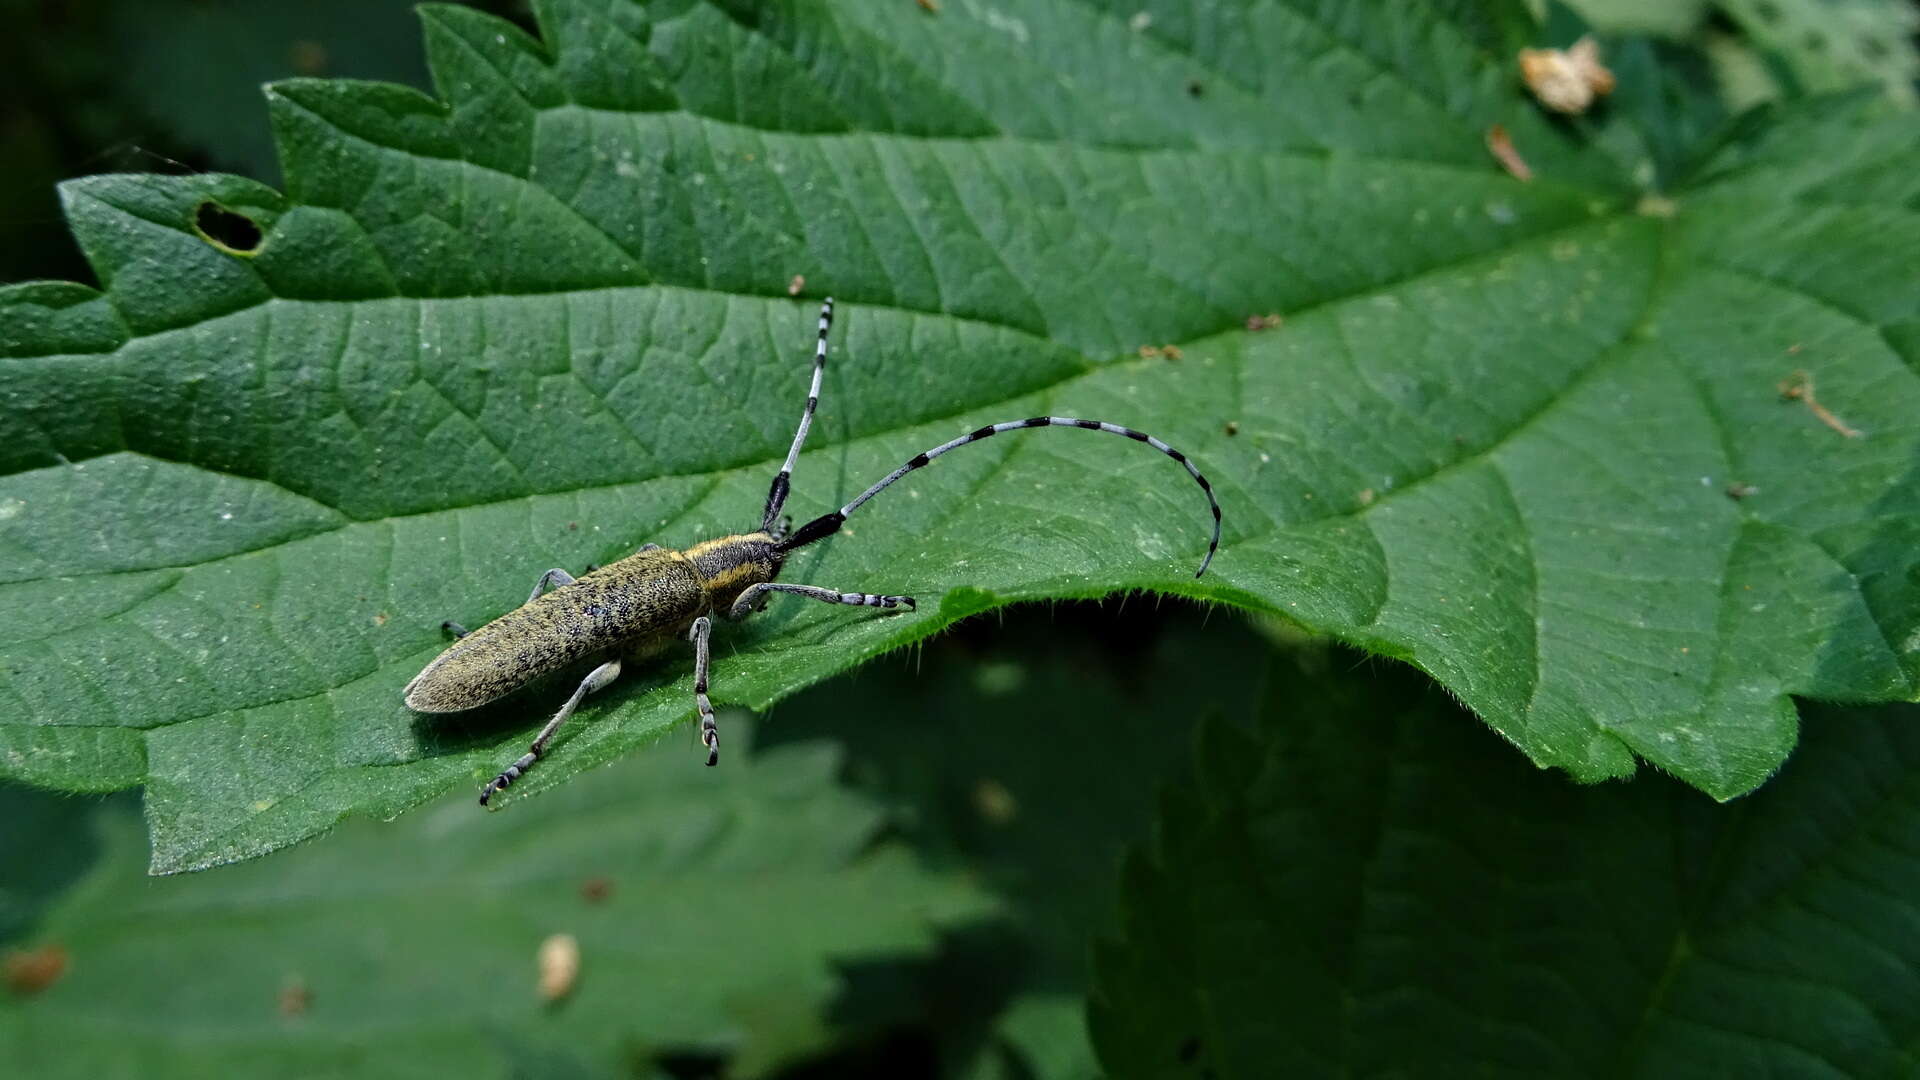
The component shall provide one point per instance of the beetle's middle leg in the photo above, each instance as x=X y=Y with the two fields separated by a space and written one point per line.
x=709 y=731
x=596 y=679
x=750 y=597
x=555 y=577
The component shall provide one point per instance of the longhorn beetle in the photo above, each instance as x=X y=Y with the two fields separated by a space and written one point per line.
x=637 y=606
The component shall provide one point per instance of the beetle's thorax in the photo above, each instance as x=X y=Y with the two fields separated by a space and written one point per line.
x=729 y=564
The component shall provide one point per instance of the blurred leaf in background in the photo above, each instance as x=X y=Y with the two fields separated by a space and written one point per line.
x=1362 y=885
x=166 y=86
x=195 y=67
x=714 y=910
x=1765 y=50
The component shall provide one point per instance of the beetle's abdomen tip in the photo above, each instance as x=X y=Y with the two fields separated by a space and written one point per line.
x=431 y=697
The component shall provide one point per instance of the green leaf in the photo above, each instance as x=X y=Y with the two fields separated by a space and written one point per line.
x=1040 y=1035
x=1663 y=18
x=544 y=318
x=732 y=900
x=1366 y=886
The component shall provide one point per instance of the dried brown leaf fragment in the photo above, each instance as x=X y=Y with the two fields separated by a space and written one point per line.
x=1567 y=81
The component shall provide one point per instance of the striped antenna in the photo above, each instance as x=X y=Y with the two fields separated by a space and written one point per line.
x=782 y=483
x=828 y=524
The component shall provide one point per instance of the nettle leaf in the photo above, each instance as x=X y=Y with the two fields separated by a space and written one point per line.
x=1363 y=885
x=544 y=318
x=389 y=947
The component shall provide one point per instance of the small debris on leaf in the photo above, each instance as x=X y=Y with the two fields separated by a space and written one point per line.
x=1569 y=81
x=1171 y=352
x=994 y=802
x=1737 y=491
x=1799 y=386
x=295 y=998
x=33 y=970
x=1366 y=496
x=308 y=57
x=1233 y=427
x=1656 y=206
x=1500 y=145
x=1269 y=321
x=932 y=7
x=799 y=282
x=595 y=890
x=559 y=961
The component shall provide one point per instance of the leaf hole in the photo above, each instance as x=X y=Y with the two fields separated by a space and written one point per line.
x=231 y=232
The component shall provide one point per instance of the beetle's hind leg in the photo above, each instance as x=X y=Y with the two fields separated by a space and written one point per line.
x=709 y=731
x=751 y=598
x=596 y=679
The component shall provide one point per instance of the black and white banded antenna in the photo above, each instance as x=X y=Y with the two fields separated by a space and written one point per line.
x=828 y=524
x=783 y=481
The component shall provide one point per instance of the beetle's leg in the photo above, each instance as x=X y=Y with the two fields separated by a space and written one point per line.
x=555 y=577
x=709 y=731
x=455 y=629
x=596 y=679
x=750 y=597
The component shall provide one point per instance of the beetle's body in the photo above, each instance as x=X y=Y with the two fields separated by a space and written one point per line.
x=636 y=606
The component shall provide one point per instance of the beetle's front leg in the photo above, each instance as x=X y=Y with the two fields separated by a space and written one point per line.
x=750 y=597
x=709 y=731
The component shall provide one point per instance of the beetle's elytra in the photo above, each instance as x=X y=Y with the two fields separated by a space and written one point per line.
x=632 y=608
